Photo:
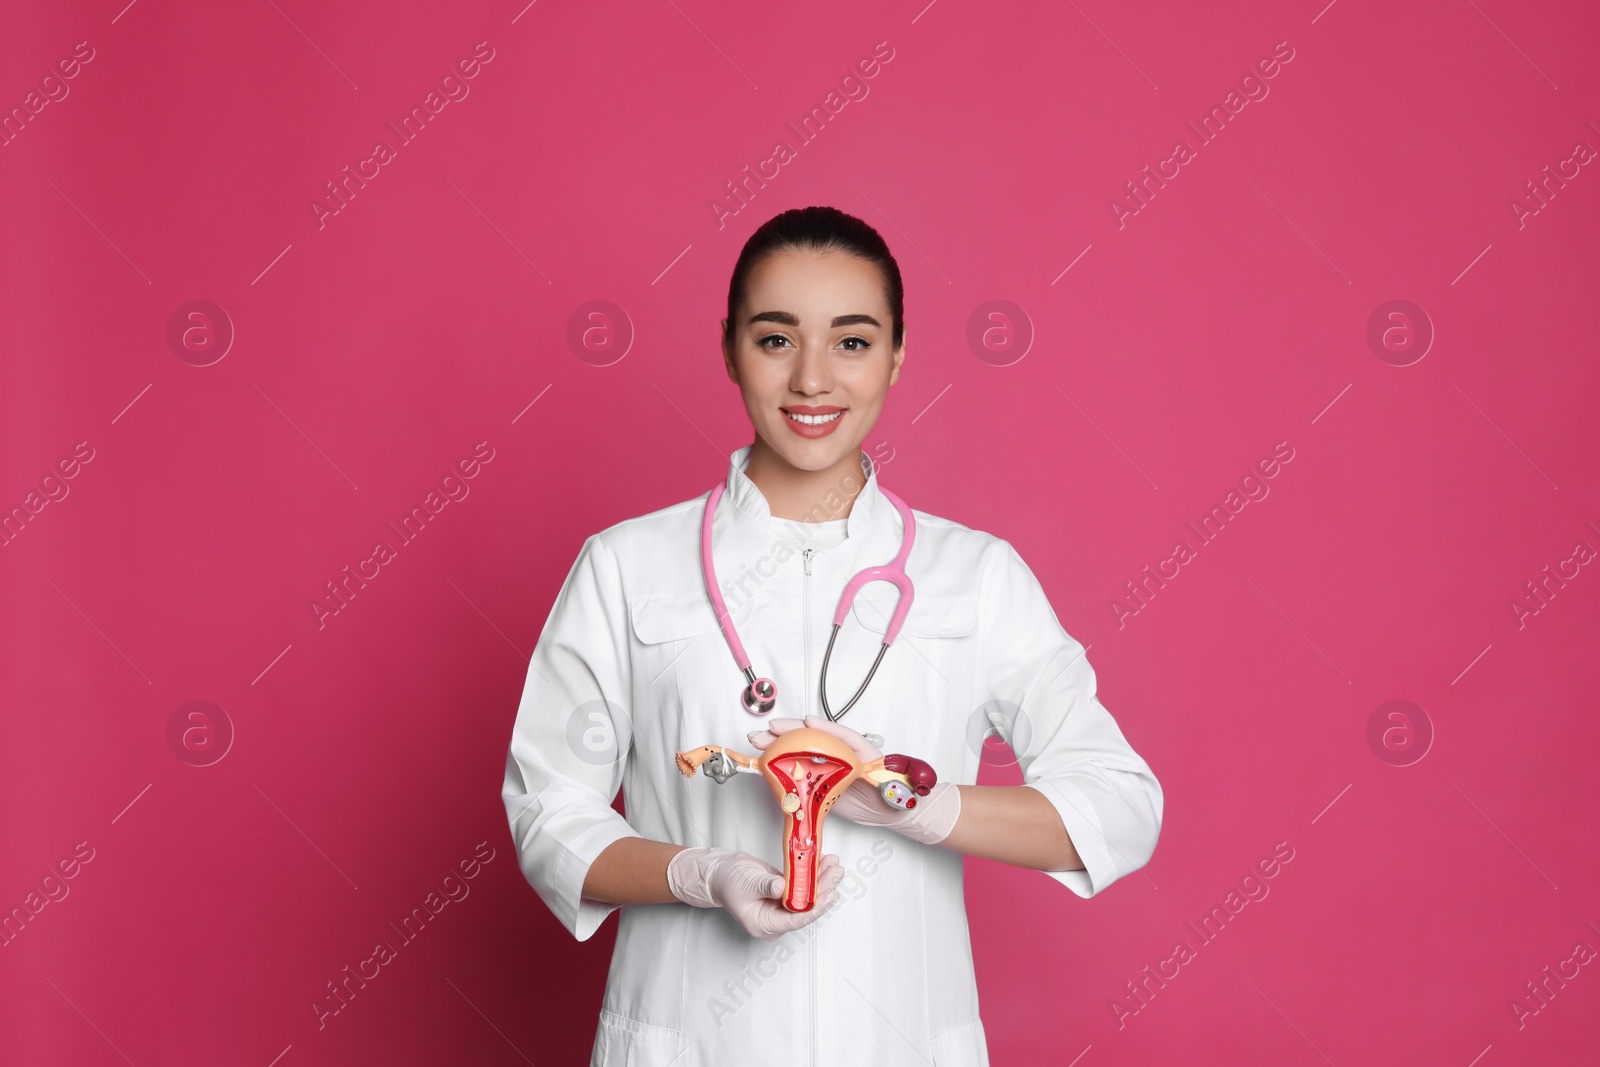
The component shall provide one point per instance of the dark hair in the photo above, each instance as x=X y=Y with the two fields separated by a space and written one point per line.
x=818 y=229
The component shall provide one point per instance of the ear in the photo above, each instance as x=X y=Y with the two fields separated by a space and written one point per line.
x=727 y=354
x=899 y=358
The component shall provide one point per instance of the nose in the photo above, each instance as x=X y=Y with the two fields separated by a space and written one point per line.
x=812 y=375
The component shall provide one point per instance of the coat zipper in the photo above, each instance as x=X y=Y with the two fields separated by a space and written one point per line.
x=805 y=637
x=805 y=623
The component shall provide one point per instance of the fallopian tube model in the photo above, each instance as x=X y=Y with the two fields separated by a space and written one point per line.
x=808 y=769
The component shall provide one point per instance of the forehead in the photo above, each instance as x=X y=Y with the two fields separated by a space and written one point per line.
x=823 y=283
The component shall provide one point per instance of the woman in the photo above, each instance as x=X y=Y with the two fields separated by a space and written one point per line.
x=632 y=667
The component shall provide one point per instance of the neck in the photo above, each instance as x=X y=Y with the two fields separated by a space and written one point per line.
x=810 y=496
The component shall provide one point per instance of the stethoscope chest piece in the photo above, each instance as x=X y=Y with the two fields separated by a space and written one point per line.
x=761 y=695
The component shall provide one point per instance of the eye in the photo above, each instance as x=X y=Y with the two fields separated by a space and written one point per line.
x=762 y=343
x=863 y=342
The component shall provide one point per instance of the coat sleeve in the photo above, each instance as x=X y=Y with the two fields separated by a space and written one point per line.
x=571 y=741
x=1042 y=701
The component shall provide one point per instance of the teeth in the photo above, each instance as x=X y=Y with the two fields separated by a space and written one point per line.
x=813 y=420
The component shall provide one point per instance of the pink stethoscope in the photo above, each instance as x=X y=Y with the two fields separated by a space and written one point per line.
x=761 y=694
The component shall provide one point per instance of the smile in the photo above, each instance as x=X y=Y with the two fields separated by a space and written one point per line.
x=814 y=420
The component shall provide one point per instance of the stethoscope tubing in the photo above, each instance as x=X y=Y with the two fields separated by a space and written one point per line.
x=760 y=695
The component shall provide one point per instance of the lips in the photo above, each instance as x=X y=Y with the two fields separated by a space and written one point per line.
x=807 y=784
x=811 y=420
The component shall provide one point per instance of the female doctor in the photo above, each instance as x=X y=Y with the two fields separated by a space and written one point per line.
x=633 y=666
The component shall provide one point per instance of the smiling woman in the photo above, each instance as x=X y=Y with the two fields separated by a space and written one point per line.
x=814 y=339
x=820 y=341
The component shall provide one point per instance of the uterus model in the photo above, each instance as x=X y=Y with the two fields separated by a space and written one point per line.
x=808 y=769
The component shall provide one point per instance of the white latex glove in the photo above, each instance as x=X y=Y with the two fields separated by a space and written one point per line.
x=930 y=822
x=750 y=889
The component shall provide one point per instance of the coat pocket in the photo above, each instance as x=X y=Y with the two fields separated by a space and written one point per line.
x=962 y=1046
x=924 y=690
x=930 y=616
x=672 y=634
x=662 y=619
x=625 y=1042
x=684 y=677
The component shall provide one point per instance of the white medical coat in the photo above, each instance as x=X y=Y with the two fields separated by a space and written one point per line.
x=631 y=668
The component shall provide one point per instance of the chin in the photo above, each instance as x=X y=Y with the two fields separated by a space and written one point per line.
x=817 y=455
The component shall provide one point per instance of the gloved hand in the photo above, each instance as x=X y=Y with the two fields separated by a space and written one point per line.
x=750 y=889
x=930 y=822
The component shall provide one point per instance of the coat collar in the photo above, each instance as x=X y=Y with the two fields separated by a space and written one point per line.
x=870 y=512
x=750 y=554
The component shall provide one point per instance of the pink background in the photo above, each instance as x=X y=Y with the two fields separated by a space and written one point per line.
x=375 y=350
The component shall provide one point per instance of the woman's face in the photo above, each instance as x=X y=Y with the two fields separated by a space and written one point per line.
x=812 y=353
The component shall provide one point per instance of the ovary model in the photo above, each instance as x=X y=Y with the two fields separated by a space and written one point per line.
x=808 y=769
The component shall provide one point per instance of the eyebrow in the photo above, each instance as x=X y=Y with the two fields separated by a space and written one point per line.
x=790 y=319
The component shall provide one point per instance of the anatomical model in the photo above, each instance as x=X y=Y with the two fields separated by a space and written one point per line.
x=808 y=769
